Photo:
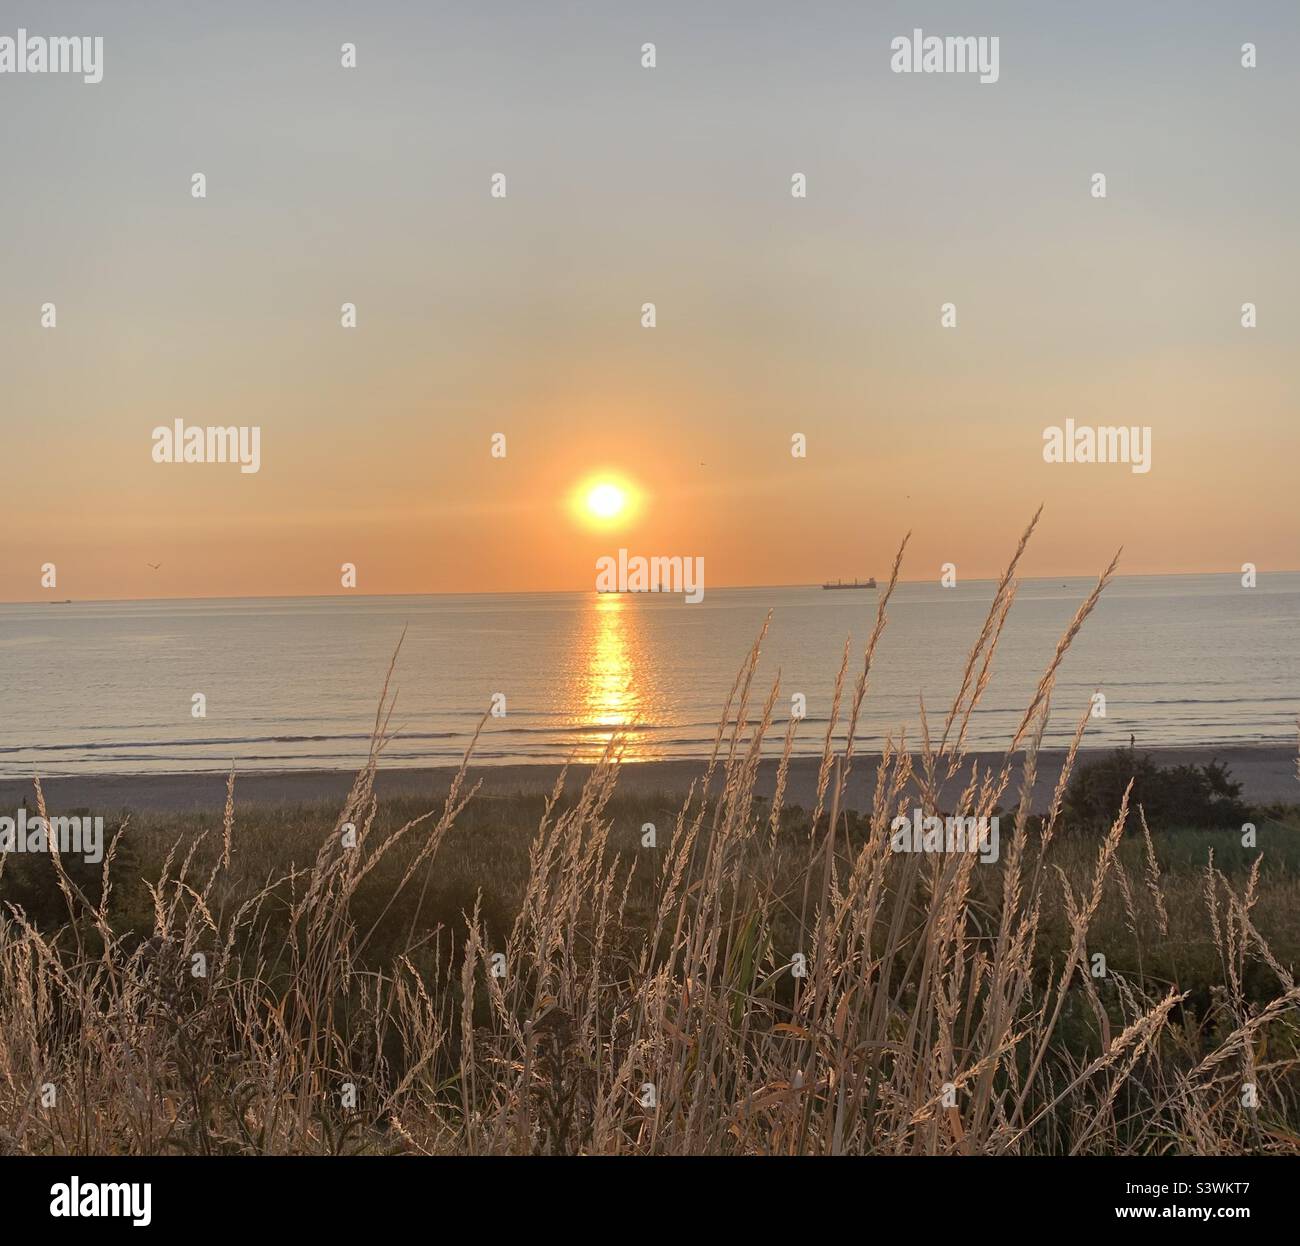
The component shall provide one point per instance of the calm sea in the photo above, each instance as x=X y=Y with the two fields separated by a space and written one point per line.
x=293 y=683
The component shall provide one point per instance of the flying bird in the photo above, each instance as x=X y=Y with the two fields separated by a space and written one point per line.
x=154 y=565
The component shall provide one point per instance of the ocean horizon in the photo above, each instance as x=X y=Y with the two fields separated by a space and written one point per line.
x=100 y=687
x=352 y=595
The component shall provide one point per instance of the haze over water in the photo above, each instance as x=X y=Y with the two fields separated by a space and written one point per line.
x=293 y=683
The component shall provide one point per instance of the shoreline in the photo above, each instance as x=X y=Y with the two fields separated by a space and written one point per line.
x=1266 y=772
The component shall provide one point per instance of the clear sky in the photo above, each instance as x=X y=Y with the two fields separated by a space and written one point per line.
x=628 y=185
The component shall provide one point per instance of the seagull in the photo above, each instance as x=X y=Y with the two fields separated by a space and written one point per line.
x=154 y=565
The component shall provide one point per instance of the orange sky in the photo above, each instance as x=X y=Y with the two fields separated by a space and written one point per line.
x=522 y=315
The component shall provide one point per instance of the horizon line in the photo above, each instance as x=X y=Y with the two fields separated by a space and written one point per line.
x=553 y=592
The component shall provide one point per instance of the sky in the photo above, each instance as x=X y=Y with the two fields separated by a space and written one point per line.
x=522 y=315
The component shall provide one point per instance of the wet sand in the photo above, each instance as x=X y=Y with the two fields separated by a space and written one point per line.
x=1267 y=774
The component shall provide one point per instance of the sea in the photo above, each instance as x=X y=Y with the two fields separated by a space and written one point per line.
x=295 y=683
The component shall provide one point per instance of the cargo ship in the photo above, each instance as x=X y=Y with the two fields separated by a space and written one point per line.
x=871 y=583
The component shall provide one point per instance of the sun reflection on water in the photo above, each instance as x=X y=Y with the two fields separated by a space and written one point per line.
x=613 y=699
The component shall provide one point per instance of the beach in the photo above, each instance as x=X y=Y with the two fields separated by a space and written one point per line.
x=1267 y=774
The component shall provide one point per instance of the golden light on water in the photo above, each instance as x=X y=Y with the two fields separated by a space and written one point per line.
x=614 y=692
x=608 y=696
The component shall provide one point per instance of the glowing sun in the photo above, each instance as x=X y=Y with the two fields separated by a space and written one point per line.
x=604 y=500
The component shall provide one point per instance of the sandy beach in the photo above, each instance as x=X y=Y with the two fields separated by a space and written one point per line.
x=1267 y=774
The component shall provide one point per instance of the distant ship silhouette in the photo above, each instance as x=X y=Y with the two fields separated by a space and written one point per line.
x=871 y=583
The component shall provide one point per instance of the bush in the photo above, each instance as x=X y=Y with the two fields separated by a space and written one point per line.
x=1204 y=797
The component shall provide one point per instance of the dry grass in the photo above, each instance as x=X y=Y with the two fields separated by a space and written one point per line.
x=751 y=984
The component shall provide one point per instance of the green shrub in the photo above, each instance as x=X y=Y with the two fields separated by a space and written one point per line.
x=1171 y=796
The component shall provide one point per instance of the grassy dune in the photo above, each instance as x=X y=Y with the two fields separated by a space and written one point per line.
x=533 y=976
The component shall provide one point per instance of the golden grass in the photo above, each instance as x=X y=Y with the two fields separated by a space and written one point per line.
x=733 y=989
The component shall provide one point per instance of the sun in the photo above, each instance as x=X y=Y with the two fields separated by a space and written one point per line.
x=604 y=500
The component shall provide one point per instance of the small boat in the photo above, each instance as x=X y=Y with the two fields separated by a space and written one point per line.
x=871 y=583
